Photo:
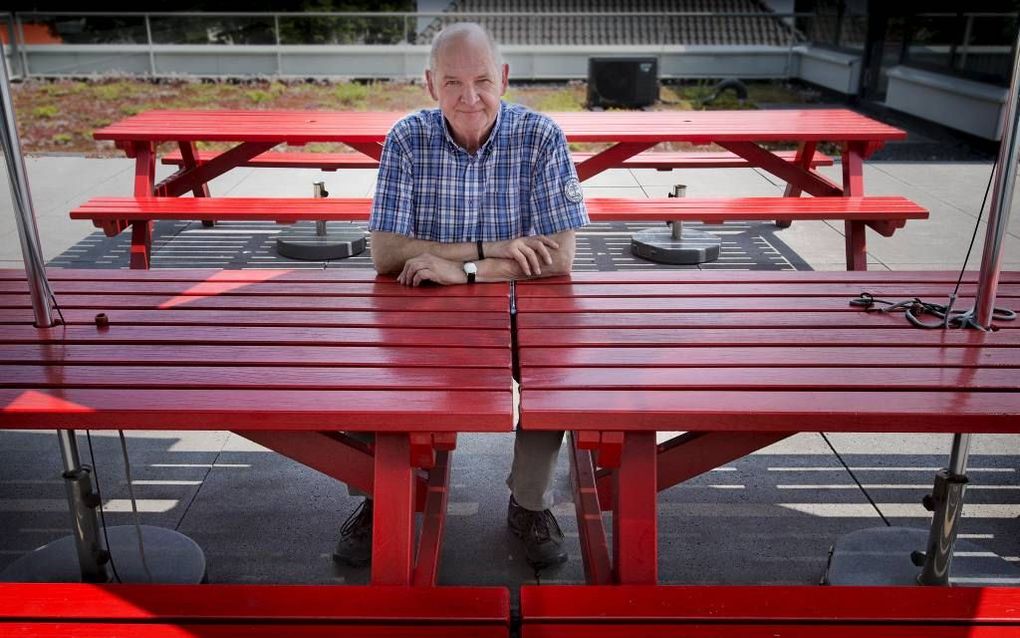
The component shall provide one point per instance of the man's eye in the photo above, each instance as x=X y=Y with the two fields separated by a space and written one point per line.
x=452 y=83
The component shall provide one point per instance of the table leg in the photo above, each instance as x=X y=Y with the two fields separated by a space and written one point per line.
x=393 y=510
x=145 y=179
x=805 y=153
x=189 y=155
x=612 y=157
x=853 y=186
x=635 y=529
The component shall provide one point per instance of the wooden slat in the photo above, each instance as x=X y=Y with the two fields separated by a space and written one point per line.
x=769 y=356
x=106 y=303
x=709 y=210
x=655 y=275
x=371 y=410
x=230 y=335
x=754 y=337
x=266 y=355
x=661 y=160
x=300 y=127
x=700 y=304
x=772 y=411
x=937 y=293
x=879 y=607
x=839 y=316
x=310 y=318
x=778 y=378
x=296 y=377
x=297 y=603
x=283 y=289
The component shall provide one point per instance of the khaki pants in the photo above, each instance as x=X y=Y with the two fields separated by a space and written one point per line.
x=531 y=475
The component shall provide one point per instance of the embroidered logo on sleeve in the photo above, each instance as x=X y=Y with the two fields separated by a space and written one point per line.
x=572 y=190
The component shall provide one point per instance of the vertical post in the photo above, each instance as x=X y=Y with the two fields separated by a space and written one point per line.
x=92 y=558
x=966 y=41
x=279 y=53
x=152 y=53
x=1002 y=199
x=24 y=213
x=21 y=40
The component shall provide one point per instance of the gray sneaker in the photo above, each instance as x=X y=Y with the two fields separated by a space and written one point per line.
x=540 y=533
x=355 y=545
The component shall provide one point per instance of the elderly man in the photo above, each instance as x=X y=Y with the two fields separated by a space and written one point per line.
x=475 y=191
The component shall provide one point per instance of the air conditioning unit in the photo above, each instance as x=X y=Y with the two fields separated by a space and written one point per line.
x=626 y=82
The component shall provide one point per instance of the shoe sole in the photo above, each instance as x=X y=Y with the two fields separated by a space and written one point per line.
x=537 y=565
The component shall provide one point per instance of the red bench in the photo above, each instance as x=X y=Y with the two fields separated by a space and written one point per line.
x=659 y=160
x=759 y=612
x=883 y=214
x=257 y=611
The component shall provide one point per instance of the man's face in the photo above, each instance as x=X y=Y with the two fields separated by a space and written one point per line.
x=468 y=86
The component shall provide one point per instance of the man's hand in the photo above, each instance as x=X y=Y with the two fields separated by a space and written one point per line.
x=530 y=253
x=428 y=267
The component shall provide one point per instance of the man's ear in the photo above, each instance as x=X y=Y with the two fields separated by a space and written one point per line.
x=504 y=81
x=430 y=83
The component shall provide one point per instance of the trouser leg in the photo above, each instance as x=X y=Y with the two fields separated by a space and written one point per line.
x=364 y=437
x=531 y=475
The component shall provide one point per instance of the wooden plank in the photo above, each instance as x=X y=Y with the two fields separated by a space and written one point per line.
x=225 y=377
x=778 y=378
x=296 y=127
x=769 y=356
x=660 y=160
x=782 y=411
x=200 y=409
x=838 y=316
x=893 y=292
x=230 y=335
x=387 y=288
x=106 y=303
x=311 y=318
x=700 y=304
x=266 y=355
x=260 y=629
x=721 y=605
x=297 y=603
x=753 y=337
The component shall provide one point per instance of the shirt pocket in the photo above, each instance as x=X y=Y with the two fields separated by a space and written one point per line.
x=504 y=210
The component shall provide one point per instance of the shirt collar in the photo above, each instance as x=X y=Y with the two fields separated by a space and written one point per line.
x=486 y=145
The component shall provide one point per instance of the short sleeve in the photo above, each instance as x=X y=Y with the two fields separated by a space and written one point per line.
x=393 y=204
x=557 y=201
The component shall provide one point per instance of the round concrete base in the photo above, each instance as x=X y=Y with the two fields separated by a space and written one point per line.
x=171 y=556
x=312 y=247
x=881 y=556
x=658 y=245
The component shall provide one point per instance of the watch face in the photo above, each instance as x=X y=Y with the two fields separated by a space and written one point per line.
x=470 y=267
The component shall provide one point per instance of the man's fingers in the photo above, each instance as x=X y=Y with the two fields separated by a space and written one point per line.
x=533 y=261
x=522 y=261
x=422 y=276
x=544 y=252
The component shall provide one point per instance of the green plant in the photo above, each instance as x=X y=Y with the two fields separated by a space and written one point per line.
x=45 y=112
x=112 y=91
x=563 y=100
x=258 y=97
x=62 y=138
x=350 y=93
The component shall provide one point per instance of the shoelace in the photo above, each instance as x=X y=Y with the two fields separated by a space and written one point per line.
x=354 y=523
x=541 y=525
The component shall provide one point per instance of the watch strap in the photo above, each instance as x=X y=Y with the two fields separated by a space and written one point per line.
x=481 y=253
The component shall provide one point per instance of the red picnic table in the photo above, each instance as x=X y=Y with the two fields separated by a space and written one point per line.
x=286 y=359
x=744 y=135
x=734 y=362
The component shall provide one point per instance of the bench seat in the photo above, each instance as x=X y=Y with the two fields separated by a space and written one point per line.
x=564 y=611
x=883 y=214
x=659 y=160
x=165 y=611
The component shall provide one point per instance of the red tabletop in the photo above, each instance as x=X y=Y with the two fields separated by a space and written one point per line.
x=272 y=350
x=699 y=127
x=689 y=351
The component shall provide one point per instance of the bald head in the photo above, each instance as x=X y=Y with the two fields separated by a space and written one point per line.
x=460 y=33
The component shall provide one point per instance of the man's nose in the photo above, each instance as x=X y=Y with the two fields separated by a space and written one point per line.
x=469 y=95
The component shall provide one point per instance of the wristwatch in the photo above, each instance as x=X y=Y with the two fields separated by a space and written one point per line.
x=471 y=270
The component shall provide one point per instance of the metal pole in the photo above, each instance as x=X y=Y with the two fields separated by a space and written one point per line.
x=152 y=53
x=1002 y=199
x=28 y=232
x=279 y=54
x=22 y=46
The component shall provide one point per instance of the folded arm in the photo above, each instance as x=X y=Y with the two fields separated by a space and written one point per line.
x=417 y=260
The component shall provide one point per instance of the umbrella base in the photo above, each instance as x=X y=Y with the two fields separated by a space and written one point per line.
x=171 y=556
x=881 y=556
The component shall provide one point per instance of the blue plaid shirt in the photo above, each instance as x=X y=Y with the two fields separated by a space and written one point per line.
x=520 y=182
